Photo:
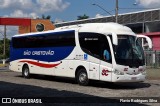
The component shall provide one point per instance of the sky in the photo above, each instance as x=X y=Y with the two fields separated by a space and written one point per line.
x=67 y=10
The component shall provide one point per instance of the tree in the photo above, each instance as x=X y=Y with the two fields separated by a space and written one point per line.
x=46 y=17
x=81 y=17
x=7 y=48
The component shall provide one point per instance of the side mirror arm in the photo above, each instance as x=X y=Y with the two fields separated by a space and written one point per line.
x=148 y=40
x=114 y=37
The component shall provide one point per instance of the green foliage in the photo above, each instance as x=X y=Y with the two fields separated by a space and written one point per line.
x=7 y=48
x=81 y=17
x=46 y=17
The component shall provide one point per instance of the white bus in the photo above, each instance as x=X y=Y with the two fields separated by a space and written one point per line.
x=94 y=51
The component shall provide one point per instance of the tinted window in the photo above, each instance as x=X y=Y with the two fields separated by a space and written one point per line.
x=94 y=44
x=45 y=40
x=129 y=51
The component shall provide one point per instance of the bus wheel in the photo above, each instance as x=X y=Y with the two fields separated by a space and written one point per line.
x=25 y=71
x=82 y=77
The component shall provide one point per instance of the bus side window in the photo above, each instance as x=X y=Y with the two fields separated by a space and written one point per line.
x=90 y=43
x=105 y=50
x=45 y=40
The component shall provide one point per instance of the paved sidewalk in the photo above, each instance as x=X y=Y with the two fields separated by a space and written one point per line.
x=4 y=68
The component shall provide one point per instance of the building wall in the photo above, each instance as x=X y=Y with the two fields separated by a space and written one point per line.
x=33 y=27
x=47 y=24
x=24 y=29
x=156 y=42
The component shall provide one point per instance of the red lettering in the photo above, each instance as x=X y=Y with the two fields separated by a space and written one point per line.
x=104 y=72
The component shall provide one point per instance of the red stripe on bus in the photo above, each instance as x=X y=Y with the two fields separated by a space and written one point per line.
x=40 y=64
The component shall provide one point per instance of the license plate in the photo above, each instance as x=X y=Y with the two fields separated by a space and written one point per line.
x=134 y=78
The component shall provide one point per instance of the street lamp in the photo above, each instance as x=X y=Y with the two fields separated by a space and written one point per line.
x=116 y=10
x=102 y=8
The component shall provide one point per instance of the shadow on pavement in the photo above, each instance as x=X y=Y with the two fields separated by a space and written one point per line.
x=54 y=95
x=100 y=84
x=125 y=85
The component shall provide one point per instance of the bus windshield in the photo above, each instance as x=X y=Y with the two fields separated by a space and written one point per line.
x=129 y=51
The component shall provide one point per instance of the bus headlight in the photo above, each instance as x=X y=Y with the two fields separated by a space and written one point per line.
x=118 y=72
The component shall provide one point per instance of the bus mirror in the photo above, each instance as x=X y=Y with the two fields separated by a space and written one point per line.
x=149 y=41
x=114 y=38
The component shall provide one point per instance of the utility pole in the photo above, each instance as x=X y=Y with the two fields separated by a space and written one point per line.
x=116 y=11
x=4 y=41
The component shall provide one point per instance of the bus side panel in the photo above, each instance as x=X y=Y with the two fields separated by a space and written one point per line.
x=15 y=66
x=18 y=66
x=106 y=71
x=69 y=65
x=40 y=70
x=81 y=63
x=62 y=69
x=94 y=64
x=68 y=68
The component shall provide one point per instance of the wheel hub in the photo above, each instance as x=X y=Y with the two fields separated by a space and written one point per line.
x=83 y=77
x=26 y=72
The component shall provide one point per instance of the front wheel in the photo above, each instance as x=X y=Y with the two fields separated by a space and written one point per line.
x=25 y=71
x=82 y=77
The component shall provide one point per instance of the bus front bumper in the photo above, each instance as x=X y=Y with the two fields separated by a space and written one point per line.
x=128 y=78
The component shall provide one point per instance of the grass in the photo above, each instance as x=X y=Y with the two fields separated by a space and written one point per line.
x=3 y=65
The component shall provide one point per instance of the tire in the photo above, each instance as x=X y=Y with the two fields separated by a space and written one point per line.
x=25 y=71
x=82 y=77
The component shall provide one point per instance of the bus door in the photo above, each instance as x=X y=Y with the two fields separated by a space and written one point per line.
x=106 y=59
x=90 y=44
x=94 y=68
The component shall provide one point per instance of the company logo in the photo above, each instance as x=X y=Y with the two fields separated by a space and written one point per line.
x=6 y=100
x=105 y=72
x=21 y=100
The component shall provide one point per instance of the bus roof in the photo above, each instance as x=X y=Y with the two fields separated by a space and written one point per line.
x=100 y=28
x=33 y=33
x=89 y=27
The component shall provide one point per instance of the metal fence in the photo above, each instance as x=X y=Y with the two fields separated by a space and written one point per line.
x=152 y=59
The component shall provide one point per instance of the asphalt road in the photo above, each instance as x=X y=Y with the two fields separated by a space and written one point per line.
x=12 y=84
